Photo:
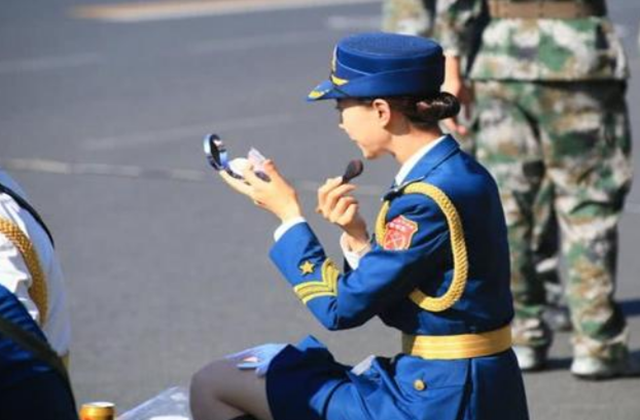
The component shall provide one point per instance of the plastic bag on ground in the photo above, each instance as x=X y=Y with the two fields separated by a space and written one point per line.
x=170 y=404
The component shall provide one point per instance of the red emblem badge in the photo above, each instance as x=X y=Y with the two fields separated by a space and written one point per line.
x=398 y=234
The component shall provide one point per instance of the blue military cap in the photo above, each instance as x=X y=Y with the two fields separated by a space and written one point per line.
x=382 y=64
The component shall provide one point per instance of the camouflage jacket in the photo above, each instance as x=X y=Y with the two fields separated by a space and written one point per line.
x=409 y=17
x=530 y=49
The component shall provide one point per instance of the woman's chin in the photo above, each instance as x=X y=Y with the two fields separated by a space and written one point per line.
x=370 y=155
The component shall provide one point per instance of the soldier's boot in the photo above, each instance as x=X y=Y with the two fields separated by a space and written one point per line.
x=531 y=359
x=531 y=339
x=606 y=356
x=595 y=368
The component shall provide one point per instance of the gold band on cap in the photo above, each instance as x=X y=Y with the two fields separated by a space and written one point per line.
x=338 y=81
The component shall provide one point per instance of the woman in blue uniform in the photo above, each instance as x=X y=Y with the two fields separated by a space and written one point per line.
x=436 y=267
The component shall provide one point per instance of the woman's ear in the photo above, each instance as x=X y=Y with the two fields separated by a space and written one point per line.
x=383 y=111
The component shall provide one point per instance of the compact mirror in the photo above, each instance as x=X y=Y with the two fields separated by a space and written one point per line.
x=216 y=152
x=218 y=158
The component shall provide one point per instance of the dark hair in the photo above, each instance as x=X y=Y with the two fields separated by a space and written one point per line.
x=423 y=112
x=426 y=112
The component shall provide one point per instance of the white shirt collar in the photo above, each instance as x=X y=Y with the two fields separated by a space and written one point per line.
x=414 y=159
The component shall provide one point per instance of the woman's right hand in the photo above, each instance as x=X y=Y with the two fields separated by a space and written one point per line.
x=338 y=207
x=276 y=196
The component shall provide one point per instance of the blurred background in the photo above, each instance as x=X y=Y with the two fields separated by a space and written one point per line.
x=102 y=112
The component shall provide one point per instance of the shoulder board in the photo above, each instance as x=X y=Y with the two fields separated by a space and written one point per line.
x=399 y=190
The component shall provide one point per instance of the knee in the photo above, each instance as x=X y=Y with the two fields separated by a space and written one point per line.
x=210 y=376
x=198 y=381
x=202 y=391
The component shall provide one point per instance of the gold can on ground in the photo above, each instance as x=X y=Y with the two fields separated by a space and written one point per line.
x=98 y=411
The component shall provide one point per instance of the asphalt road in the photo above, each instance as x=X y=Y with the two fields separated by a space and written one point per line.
x=102 y=120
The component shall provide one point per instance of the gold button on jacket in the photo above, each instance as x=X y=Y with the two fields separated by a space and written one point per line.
x=419 y=385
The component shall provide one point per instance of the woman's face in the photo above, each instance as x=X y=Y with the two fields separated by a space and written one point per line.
x=362 y=123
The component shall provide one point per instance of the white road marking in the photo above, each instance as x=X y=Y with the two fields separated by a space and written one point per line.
x=48 y=63
x=354 y=23
x=129 y=171
x=187 y=175
x=180 y=133
x=123 y=171
x=162 y=10
x=259 y=41
x=234 y=44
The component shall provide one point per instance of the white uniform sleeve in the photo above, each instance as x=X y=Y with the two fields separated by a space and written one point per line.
x=352 y=257
x=283 y=228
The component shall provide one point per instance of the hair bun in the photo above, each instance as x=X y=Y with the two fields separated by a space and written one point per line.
x=444 y=105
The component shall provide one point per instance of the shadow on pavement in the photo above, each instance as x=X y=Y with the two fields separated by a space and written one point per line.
x=558 y=363
x=564 y=363
x=631 y=307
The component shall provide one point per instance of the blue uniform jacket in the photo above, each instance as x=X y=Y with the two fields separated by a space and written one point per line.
x=16 y=363
x=414 y=256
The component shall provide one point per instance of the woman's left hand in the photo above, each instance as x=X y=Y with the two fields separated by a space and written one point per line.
x=276 y=196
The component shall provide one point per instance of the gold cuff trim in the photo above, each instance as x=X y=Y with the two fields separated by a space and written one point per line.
x=458 y=248
x=327 y=287
x=463 y=346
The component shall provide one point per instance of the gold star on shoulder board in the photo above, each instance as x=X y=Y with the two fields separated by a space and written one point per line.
x=307 y=268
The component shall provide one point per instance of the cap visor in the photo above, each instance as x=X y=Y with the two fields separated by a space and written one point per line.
x=325 y=90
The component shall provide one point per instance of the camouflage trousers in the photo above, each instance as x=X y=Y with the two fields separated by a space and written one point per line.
x=408 y=17
x=567 y=144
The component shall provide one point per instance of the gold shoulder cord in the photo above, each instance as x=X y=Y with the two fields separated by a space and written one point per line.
x=38 y=289
x=458 y=248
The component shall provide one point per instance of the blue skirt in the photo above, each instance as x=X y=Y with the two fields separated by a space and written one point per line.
x=304 y=382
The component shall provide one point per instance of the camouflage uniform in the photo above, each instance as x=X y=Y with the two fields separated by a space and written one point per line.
x=545 y=250
x=408 y=17
x=416 y=17
x=552 y=122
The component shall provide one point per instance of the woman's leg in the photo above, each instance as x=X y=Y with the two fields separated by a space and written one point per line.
x=221 y=391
